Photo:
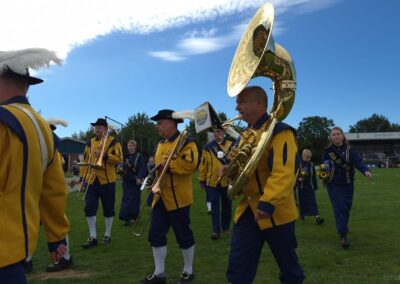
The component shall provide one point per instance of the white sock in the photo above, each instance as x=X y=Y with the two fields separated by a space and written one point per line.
x=188 y=255
x=66 y=254
x=92 y=226
x=209 y=206
x=29 y=258
x=109 y=222
x=159 y=254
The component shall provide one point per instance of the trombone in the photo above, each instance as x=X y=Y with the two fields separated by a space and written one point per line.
x=156 y=186
x=97 y=164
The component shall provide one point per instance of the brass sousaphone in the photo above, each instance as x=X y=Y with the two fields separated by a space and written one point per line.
x=258 y=55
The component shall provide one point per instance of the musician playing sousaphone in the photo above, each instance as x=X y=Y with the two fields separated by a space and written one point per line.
x=175 y=197
x=102 y=154
x=267 y=211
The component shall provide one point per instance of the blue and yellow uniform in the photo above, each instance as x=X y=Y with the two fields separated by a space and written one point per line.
x=173 y=209
x=101 y=179
x=307 y=185
x=269 y=189
x=133 y=169
x=214 y=155
x=32 y=187
x=343 y=161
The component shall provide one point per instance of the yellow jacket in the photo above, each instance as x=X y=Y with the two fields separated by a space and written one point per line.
x=176 y=190
x=32 y=186
x=112 y=157
x=209 y=165
x=270 y=188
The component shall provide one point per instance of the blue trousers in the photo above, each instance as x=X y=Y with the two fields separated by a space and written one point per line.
x=341 y=197
x=130 y=203
x=307 y=202
x=162 y=220
x=221 y=208
x=106 y=193
x=208 y=196
x=246 y=245
x=12 y=274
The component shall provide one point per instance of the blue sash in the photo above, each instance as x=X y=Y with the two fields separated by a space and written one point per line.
x=335 y=157
x=215 y=148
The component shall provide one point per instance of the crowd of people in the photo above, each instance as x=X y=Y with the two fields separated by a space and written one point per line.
x=36 y=194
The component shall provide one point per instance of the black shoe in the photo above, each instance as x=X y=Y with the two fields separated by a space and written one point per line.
x=209 y=212
x=92 y=242
x=345 y=241
x=319 y=220
x=106 y=240
x=27 y=265
x=215 y=236
x=186 y=277
x=153 y=279
x=127 y=223
x=62 y=264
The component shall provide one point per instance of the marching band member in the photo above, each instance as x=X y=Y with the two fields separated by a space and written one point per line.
x=342 y=159
x=101 y=179
x=173 y=208
x=268 y=211
x=133 y=172
x=66 y=261
x=215 y=154
x=75 y=168
x=307 y=185
x=32 y=185
x=150 y=165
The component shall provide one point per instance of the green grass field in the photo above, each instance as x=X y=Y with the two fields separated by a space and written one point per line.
x=374 y=255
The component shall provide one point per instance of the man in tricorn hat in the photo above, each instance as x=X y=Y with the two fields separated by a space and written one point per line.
x=105 y=151
x=173 y=208
x=32 y=179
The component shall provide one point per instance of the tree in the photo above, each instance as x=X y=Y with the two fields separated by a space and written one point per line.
x=313 y=133
x=375 y=123
x=395 y=127
x=140 y=128
x=84 y=135
x=201 y=138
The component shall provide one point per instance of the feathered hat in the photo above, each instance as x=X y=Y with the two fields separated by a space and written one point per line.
x=56 y=121
x=18 y=62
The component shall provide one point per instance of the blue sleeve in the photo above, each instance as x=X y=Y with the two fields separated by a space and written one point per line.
x=52 y=246
x=325 y=156
x=314 y=178
x=357 y=161
x=141 y=167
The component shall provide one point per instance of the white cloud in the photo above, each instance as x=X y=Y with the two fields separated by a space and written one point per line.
x=64 y=25
x=167 y=55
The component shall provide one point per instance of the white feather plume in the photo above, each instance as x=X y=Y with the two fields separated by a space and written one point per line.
x=232 y=132
x=20 y=60
x=183 y=114
x=57 y=121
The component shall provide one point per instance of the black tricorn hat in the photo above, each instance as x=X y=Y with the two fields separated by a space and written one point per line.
x=26 y=77
x=16 y=63
x=100 y=121
x=166 y=114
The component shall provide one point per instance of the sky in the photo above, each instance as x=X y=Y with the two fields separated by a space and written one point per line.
x=125 y=57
